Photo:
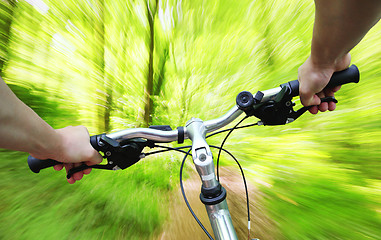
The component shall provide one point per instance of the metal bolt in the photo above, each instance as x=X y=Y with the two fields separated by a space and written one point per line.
x=202 y=157
x=101 y=144
x=111 y=162
x=288 y=103
x=244 y=99
x=108 y=153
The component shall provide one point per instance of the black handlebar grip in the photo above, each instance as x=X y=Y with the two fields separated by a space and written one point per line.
x=349 y=75
x=36 y=164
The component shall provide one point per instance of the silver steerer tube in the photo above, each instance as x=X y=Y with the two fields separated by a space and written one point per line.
x=221 y=221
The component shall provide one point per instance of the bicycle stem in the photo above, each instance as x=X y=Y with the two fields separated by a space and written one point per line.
x=213 y=195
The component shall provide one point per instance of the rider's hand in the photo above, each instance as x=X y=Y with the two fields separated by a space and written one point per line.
x=73 y=149
x=314 y=77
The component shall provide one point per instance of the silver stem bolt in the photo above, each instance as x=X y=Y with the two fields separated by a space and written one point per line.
x=202 y=157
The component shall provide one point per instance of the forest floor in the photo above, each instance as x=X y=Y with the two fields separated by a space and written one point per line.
x=182 y=226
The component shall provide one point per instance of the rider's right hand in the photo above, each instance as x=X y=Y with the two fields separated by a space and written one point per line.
x=73 y=149
x=313 y=78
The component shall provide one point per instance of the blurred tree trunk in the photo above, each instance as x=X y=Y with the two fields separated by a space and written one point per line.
x=161 y=74
x=106 y=92
x=108 y=109
x=186 y=97
x=7 y=8
x=160 y=78
x=151 y=13
x=269 y=47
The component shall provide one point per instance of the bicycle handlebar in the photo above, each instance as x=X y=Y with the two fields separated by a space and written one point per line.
x=291 y=89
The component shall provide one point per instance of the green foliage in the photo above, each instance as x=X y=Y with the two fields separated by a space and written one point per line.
x=45 y=105
x=313 y=197
x=6 y=11
x=114 y=205
x=86 y=62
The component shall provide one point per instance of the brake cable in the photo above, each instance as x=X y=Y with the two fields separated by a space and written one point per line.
x=179 y=149
x=167 y=149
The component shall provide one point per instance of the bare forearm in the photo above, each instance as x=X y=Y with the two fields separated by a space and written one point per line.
x=339 y=26
x=21 y=128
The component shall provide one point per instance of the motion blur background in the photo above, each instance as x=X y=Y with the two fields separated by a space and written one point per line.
x=114 y=64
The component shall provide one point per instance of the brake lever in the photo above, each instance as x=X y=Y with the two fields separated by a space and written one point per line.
x=109 y=166
x=119 y=155
x=295 y=115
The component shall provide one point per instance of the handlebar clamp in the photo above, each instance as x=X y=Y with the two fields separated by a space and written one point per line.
x=119 y=155
x=275 y=111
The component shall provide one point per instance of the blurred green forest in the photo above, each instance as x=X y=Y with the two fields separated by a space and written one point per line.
x=111 y=65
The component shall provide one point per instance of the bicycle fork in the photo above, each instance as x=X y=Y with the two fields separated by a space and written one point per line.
x=213 y=195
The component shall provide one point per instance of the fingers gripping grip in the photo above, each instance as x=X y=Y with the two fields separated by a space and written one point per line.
x=36 y=164
x=349 y=75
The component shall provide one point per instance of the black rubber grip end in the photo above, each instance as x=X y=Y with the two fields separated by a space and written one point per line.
x=349 y=75
x=37 y=164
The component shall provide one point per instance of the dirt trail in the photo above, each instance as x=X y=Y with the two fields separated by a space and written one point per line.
x=182 y=226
